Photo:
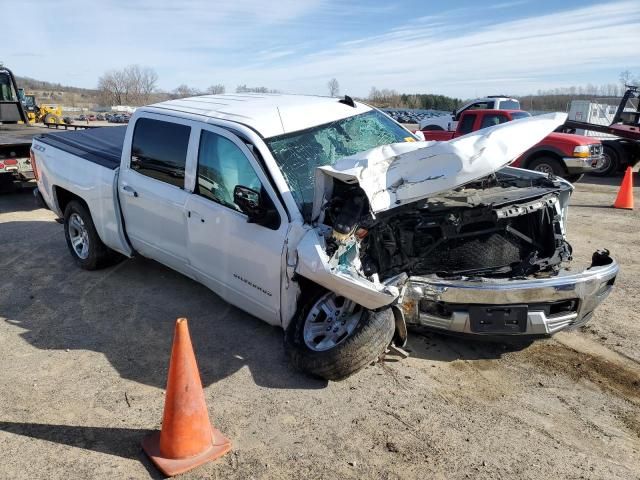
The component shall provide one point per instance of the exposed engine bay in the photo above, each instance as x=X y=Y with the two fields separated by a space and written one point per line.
x=501 y=226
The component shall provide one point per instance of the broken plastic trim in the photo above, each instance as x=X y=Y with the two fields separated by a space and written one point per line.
x=347 y=100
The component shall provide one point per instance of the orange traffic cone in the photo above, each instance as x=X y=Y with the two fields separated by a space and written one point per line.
x=187 y=439
x=625 y=194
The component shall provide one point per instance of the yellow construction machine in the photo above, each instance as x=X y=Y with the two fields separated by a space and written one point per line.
x=39 y=113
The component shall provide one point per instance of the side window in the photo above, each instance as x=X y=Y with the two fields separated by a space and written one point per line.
x=466 y=125
x=482 y=106
x=221 y=167
x=492 y=119
x=159 y=150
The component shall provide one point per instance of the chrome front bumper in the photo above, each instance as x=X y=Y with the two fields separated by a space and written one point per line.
x=583 y=165
x=552 y=304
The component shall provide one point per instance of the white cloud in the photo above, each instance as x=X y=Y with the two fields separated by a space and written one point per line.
x=298 y=46
x=517 y=56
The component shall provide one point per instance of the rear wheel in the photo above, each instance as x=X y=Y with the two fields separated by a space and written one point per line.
x=610 y=163
x=548 y=165
x=83 y=241
x=333 y=337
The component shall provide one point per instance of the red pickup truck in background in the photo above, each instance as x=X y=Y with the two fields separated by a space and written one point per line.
x=562 y=154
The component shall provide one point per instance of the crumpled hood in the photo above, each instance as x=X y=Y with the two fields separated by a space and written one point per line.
x=401 y=173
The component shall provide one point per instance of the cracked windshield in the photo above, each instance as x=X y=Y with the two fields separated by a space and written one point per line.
x=299 y=154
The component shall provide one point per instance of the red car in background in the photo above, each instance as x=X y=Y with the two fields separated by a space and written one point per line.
x=562 y=154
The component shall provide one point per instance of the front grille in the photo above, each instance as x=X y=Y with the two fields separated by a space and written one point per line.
x=596 y=149
x=483 y=252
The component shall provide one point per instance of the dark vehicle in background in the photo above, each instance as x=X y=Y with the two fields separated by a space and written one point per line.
x=618 y=128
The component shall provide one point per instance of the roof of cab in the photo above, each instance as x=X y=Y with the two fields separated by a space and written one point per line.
x=270 y=114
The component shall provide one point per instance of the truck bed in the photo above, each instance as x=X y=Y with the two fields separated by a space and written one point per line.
x=98 y=145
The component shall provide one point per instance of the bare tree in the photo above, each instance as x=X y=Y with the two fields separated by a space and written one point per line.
x=216 y=89
x=245 y=89
x=334 y=87
x=133 y=85
x=625 y=78
x=183 y=91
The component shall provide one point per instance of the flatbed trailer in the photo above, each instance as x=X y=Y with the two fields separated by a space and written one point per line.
x=621 y=130
x=15 y=143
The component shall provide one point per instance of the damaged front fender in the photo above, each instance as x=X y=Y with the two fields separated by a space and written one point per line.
x=346 y=280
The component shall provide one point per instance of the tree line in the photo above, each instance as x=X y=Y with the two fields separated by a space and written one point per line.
x=137 y=85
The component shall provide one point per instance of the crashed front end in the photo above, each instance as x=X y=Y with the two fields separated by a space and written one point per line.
x=479 y=249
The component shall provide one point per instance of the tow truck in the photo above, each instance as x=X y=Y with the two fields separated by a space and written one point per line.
x=16 y=133
x=620 y=138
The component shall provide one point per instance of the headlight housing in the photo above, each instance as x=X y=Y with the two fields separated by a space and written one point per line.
x=581 y=151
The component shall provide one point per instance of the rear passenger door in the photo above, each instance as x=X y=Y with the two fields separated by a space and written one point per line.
x=152 y=189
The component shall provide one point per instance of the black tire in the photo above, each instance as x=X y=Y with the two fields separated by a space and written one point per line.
x=575 y=178
x=7 y=183
x=548 y=165
x=369 y=339
x=98 y=255
x=611 y=163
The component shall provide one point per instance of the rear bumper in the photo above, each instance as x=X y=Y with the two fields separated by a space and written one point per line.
x=552 y=304
x=583 y=165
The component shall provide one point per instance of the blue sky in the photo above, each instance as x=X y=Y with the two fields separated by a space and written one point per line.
x=463 y=49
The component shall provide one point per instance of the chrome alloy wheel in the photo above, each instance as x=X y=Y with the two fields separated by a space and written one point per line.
x=544 y=168
x=330 y=321
x=78 y=235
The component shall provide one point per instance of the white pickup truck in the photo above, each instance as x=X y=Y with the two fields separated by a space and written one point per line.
x=329 y=219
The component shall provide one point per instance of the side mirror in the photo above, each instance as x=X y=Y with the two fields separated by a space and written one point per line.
x=255 y=208
x=420 y=135
x=248 y=200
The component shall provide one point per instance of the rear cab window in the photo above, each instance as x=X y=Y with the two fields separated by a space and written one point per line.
x=492 y=119
x=159 y=150
x=509 y=105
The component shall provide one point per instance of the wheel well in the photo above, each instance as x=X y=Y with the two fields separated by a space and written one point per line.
x=63 y=197
x=542 y=154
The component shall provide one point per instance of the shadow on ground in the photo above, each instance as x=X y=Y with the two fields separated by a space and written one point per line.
x=121 y=442
x=612 y=180
x=18 y=199
x=128 y=312
x=429 y=345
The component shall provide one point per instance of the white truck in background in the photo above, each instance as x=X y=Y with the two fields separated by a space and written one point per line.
x=327 y=218
x=449 y=123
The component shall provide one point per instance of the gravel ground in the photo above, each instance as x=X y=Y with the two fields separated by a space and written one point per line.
x=84 y=358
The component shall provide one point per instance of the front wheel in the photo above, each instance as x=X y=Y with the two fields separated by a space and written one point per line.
x=548 y=165
x=609 y=164
x=333 y=337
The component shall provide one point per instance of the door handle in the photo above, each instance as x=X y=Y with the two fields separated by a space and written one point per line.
x=194 y=214
x=127 y=190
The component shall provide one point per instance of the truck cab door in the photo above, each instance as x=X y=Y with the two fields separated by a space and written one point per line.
x=151 y=189
x=241 y=261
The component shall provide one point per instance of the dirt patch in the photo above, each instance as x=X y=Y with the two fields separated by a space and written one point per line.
x=580 y=366
x=632 y=421
x=84 y=360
